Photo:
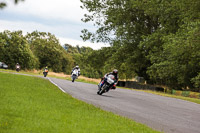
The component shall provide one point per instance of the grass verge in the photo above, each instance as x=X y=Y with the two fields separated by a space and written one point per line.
x=31 y=104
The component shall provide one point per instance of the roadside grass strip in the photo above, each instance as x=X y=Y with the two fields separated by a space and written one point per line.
x=34 y=105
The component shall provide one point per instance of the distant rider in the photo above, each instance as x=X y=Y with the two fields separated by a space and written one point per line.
x=46 y=69
x=76 y=67
x=17 y=66
x=115 y=73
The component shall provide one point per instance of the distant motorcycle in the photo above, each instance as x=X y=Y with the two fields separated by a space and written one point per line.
x=45 y=72
x=108 y=83
x=74 y=75
x=17 y=68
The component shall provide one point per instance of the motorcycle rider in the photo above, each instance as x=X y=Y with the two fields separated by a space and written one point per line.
x=115 y=73
x=45 y=70
x=76 y=67
x=17 y=66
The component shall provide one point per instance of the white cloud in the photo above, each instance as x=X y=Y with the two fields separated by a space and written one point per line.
x=49 y=9
x=59 y=17
x=24 y=26
x=32 y=26
x=81 y=43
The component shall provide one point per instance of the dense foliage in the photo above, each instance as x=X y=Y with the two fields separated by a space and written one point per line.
x=95 y=63
x=34 y=51
x=156 y=39
x=48 y=50
x=14 y=48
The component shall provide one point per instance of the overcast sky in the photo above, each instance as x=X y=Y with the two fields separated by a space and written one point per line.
x=59 y=17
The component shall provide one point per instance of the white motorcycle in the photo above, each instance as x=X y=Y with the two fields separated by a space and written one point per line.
x=108 y=83
x=74 y=75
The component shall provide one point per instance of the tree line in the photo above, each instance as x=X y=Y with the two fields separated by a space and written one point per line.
x=155 y=39
x=34 y=51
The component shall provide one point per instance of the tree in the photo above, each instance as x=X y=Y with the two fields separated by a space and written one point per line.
x=144 y=34
x=122 y=23
x=15 y=49
x=178 y=62
x=48 y=50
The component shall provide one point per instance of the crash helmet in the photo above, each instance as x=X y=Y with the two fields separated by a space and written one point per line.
x=17 y=63
x=115 y=71
x=46 y=67
x=77 y=66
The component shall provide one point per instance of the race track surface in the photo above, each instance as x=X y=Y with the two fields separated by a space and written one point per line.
x=165 y=114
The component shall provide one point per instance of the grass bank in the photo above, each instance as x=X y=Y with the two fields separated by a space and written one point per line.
x=30 y=105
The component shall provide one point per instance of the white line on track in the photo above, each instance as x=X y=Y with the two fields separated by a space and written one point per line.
x=56 y=85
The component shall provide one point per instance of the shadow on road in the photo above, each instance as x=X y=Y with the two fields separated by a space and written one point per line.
x=105 y=96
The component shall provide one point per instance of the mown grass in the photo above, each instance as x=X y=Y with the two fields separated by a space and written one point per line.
x=34 y=105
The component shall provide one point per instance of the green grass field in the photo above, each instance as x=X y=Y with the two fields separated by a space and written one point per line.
x=34 y=105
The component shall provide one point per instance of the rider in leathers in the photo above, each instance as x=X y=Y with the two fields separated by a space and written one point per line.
x=115 y=73
x=76 y=67
x=18 y=67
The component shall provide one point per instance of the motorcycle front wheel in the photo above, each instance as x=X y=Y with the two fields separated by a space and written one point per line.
x=73 y=78
x=45 y=74
x=102 y=89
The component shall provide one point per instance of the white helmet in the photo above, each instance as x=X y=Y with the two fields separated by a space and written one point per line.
x=77 y=66
x=115 y=71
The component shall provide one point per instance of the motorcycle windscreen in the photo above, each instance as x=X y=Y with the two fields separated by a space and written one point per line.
x=75 y=72
x=110 y=79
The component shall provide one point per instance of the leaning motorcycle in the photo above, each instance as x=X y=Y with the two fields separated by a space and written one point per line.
x=108 y=83
x=74 y=75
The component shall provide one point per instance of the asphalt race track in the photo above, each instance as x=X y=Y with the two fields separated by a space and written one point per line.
x=165 y=114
